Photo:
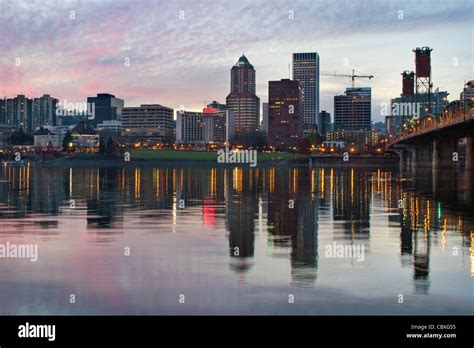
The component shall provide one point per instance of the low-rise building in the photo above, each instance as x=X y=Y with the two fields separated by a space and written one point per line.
x=148 y=121
x=358 y=137
x=84 y=138
x=44 y=138
x=203 y=128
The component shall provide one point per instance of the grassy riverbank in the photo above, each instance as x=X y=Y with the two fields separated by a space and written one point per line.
x=169 y=155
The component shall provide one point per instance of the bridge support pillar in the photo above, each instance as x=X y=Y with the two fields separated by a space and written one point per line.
x=435 y=161
x=469 y=154
x=442 y=154
x=414 y=161
x=403 y=160
x=448 y=148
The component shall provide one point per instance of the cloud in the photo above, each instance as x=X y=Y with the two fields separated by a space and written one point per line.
x=181 y=52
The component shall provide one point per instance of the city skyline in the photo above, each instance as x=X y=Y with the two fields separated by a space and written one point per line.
x=181 y=53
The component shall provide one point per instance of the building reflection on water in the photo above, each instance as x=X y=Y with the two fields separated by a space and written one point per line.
x=290 y=207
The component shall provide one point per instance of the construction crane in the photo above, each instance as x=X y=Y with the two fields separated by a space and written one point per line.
x=352 y=76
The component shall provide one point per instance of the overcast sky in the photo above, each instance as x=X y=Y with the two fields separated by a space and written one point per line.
x=181 y=52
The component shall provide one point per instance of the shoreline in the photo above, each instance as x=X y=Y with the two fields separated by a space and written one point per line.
x=323 y=162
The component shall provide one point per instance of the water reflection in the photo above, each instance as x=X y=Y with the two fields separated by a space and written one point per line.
x=268 y=215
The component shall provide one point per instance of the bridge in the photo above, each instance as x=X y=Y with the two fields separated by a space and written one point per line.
x=433 y=140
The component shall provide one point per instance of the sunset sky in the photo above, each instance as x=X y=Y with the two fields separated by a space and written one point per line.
x=76 y=49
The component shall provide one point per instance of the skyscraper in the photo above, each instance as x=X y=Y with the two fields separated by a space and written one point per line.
x=306 y=70
x=352 y=110
x=242 y=99
x=285 y=111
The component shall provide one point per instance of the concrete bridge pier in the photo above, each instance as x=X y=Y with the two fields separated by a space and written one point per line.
x=442 y=154
x=435 y=161
x=403 y=160
x=469 y=167
x=448 y=147
x=414 y=158
x=435 y=180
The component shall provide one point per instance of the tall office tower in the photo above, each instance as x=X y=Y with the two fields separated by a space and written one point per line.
x=306 y=70
x=264 y=125
x=352 y=111
x=43 y=112
x=285 y=113
x=107 y=108
x=242 y=99
x=324 y=122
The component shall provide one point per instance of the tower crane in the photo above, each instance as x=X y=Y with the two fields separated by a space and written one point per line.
x=352 y=76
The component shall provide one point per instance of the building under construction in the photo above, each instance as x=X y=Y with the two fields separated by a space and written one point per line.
x=352 y=111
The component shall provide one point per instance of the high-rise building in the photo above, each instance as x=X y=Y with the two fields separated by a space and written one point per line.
x=352 y=111
x=264 y=125
x=242 y=99
x=468 y=92
x=107 y=108
x=306 y=70
x=19 y=112
x=3 y=111
x=43 y=112
x=324 y=122
x=7 y=113
x=148 y=121
x=28 y=114
x=285 y=113
x=216 y=105
x=202 y=128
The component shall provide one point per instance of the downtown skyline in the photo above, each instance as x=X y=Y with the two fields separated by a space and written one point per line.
x=179 y=58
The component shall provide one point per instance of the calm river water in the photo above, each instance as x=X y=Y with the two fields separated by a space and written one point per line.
x=236 y=241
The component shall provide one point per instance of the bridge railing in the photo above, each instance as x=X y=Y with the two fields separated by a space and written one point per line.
x=447 y=118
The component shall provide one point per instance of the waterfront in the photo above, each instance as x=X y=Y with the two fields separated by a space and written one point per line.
x=235 y=241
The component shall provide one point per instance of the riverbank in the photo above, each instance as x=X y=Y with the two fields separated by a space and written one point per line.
x=208 y=159
x=168 y=158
